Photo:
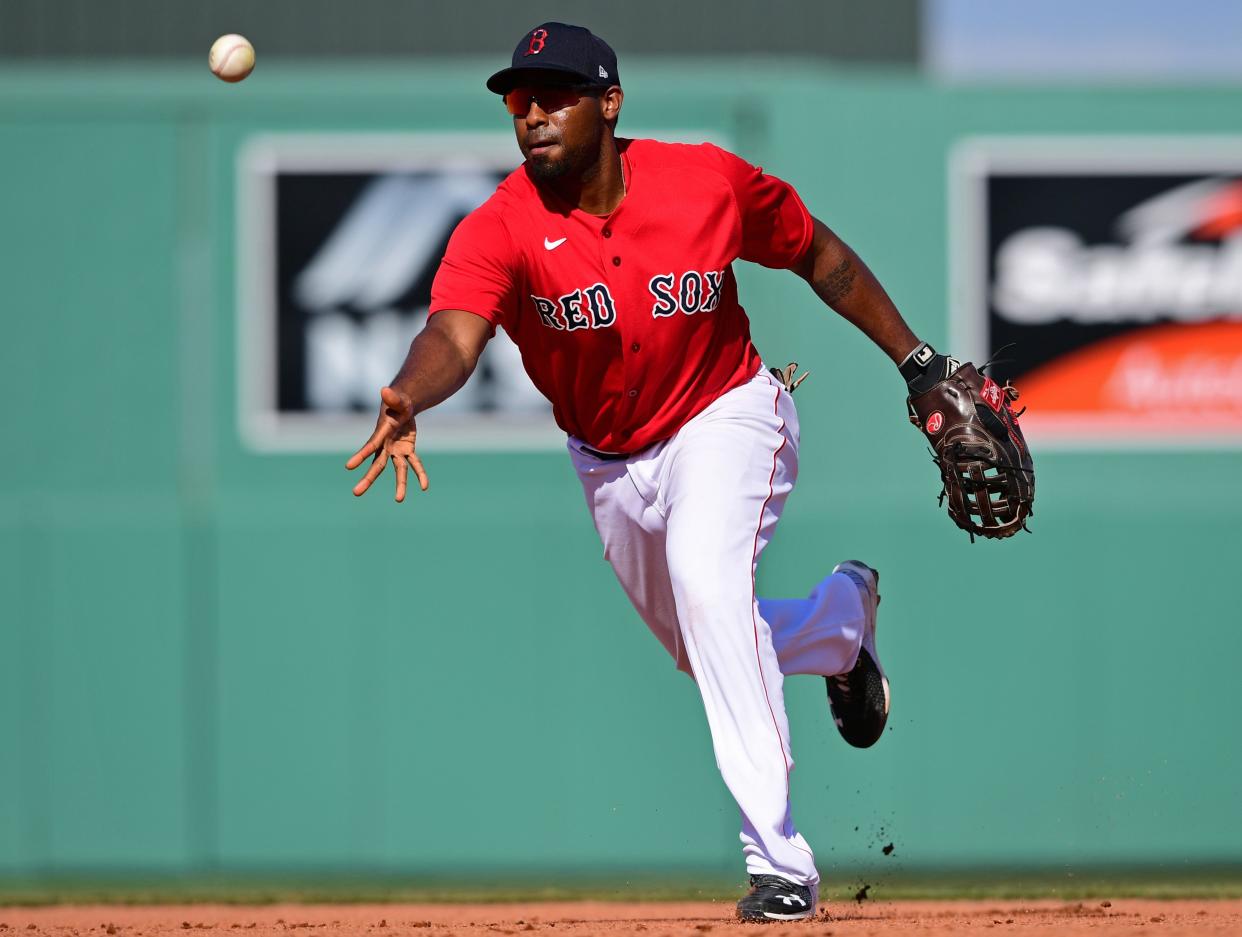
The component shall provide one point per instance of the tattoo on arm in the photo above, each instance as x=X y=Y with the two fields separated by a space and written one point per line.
x=837 y=282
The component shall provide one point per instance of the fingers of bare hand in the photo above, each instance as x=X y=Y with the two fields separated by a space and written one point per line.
x=355 y=460
x=370 y=447
x=374 y=472
x=400 y=466
x=417 y=464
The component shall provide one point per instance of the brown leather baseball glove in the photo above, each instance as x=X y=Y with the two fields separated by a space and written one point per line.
x=984 y=461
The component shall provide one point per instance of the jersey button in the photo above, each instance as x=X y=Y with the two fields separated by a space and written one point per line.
x=635 y=347
x=633 y=393
x=616 y=261
x=607 y=233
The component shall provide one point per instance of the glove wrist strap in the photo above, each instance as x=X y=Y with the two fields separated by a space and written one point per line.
x=916 y=363
x=923 y=369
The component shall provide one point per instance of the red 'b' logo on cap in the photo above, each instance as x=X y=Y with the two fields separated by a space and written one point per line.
x=538 y=39
x=934 y=422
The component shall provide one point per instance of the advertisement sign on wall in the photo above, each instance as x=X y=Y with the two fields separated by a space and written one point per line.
x=339 y=237
x=1112 y=267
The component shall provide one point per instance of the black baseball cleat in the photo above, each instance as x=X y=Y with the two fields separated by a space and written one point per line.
x=772 y=898
x=859 y=700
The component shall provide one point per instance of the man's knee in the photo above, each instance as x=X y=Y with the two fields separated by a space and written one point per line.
x=707 y=594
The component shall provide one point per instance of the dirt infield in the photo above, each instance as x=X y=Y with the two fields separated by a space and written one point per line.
x=578 y=919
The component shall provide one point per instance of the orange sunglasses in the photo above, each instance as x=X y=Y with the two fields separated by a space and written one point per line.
x=550 y=98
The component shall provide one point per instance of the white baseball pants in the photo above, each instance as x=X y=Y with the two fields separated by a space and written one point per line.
x=683 y=523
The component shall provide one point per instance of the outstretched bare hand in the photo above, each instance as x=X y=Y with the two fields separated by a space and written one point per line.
x=393 y=439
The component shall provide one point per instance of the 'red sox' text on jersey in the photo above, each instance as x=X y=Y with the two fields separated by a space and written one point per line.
x=628 y=323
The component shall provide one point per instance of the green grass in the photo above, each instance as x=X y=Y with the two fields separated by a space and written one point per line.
x=1064 y=885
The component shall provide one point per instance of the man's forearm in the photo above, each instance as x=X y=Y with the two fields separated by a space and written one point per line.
x=435 y=368
x=844 y=282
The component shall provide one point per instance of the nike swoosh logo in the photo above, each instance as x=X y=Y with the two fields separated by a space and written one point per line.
x=553 y=245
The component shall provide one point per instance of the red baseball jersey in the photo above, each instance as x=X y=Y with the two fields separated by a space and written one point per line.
x=629 y=323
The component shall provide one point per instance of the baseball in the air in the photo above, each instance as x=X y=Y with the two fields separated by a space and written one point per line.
x=231 y=57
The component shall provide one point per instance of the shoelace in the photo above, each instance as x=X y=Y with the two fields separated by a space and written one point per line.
x=842 y=680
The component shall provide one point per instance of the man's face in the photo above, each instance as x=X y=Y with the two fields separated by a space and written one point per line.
x=559 y=127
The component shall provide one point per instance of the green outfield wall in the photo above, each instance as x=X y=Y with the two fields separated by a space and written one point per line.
x=212 y=658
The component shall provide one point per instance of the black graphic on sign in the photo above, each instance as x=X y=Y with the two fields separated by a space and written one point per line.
x=355 y=257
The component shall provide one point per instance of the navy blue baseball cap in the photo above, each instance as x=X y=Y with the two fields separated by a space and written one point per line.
x=558 y=51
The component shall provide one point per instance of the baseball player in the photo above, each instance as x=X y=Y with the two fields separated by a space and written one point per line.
x=609 y=261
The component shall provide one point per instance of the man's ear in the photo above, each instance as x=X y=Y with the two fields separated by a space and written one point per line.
x=610 y=102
